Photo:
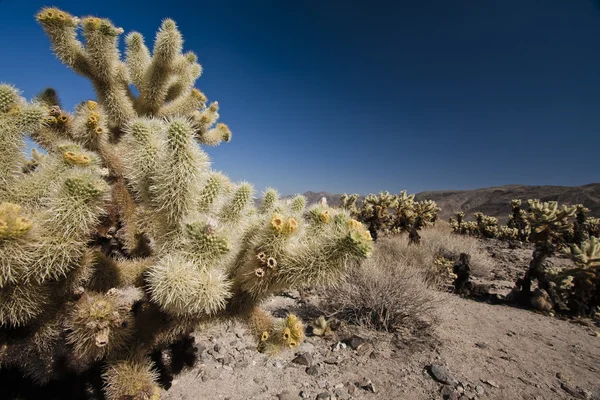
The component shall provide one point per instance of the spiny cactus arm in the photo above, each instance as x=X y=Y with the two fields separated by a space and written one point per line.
x=184 y=105
x=214 y=186
x=133 y=378
x=34 y=186
x=154 y=89
x=177 y=183
x=16 y=119
x=298 y=204
x=48 y=97
x=142 y=146
x=239 y=203
x=587 y=255
x=187 y=71
x=61 y=28
x=285 y=333
x=99 y=61
x=137 y=57
x=270 y=197
x=20 y=303
x=214 y=136
x=99 y=325
x=204 y=241
x=182 y=288
x=109 y=74
x=322 y=259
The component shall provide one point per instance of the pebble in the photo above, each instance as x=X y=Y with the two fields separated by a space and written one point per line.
x=286 y=395
x=324 y=396
x=367 y=385
x=354 y=341
x=479 y=390
x=441 y=374
x=303 y=359
x=313 y=370
x=339 y=346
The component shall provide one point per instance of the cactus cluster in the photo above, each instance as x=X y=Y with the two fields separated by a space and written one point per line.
x=119 y=239
x=519 y=227
x=574 y=291
x=392 y=214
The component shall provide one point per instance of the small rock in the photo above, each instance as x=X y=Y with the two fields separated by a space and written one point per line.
x=201 y=349
x=258 y=381
x=441 y=374
x=339 y=346
x=303 y=359
x=365 y=348
x=354 y=341
x=217 y=347
x=307 y=347
x=491 y=383
x=341 y=394
x=331 y=361
x=447 y=391
x=286 y=395
x=322 y=384
x=482 y=345
x=479 y=390
x=278 y=364
x=367 y=384
x=304 y=394
x=324 y=396
x=313 y=370
x=572 y=391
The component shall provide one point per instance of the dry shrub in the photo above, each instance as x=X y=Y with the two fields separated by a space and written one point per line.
x=439 y=241
x=384 y=293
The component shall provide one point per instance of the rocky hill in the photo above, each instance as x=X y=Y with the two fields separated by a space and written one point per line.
x=495 y=201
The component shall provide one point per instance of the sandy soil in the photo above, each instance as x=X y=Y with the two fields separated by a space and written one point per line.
x=494 y=352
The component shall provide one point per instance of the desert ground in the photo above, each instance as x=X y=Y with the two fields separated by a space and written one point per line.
x=475 y=351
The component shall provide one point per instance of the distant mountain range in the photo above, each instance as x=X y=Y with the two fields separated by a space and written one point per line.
x=494 y=201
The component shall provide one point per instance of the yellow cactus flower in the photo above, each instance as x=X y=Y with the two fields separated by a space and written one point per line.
x=291 y=225
x=325 y=217
x=98 y=130
x=262 y=257
x=367 y=236
x=354 y=224
x=93 y=119
x=287 y=333
x=264 y=337
x=277 y=223
x=92 y=105
x=12 y=225
x=259 y=272
x=76 y=158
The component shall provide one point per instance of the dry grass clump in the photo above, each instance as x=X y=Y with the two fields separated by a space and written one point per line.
x=436 y=242
x=385 y=293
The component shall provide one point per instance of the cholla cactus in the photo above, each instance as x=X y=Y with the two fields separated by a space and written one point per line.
x=518 y=220
x=507 y=233
x=348 y=203
x=593 y=226
x=580 y=226
x=486 y=225
x=587 y=255
x=548 y=222
x=391 y=214
x=124 y=199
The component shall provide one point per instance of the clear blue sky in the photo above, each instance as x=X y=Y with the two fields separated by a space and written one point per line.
x=362 y=96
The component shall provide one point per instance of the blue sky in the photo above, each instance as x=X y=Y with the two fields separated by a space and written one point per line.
x=362 y=96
